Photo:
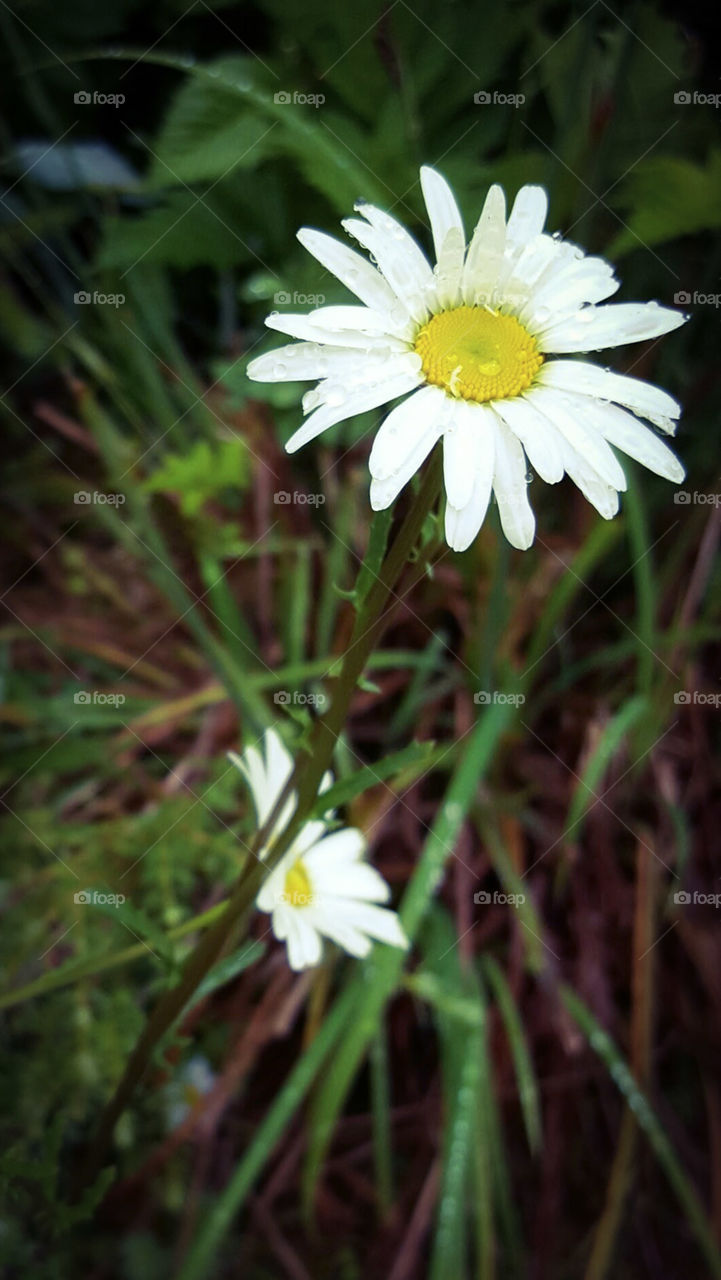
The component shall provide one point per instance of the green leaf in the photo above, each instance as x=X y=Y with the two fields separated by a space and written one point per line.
x=202 y=473
x=412 y=760
x=209 y=130
x=667 y=197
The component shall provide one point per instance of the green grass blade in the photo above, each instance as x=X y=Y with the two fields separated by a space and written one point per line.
x=618 y=1069
x=587 y=787
x=523 y=1065
x=374 y=983
x=218 y=1220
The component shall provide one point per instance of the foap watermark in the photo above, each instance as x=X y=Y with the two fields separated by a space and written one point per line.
x=483 y=98
x=291 y=698
x=696 y=698
x=684 y=298
x=687 y=98
x=93 y=698
x=484 y=898
x=83 y=298
x=92 y=898
x=85 y=99
x=282 y=498
x=285 y=299
x=489 y=697
x=696 y=498
x=284 y=98
x=683 y=898
x=94 y=498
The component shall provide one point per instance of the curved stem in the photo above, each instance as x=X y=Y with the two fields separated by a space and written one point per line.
x=305 y=779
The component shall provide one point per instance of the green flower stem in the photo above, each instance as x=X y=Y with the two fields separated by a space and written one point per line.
x=305 y=779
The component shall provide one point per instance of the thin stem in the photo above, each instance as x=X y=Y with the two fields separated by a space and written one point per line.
x=305 y=779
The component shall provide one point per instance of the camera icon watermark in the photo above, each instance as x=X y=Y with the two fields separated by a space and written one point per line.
x=285 y=299
x=684 y=298
x=285 y=98
x=292 y=698
x=83 y=298
x=89 y=498
x=696 y=698
x=84 y=99
x=684 y=98
x=93 y=698
x=490 y=697
x=683 y=898
x=497 y=99
x=92 y=898
x=696 y=498
x=484 y=898
x=282 y=498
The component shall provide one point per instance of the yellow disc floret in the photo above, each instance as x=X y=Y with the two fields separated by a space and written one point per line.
x=475 y=353
x=297 y=890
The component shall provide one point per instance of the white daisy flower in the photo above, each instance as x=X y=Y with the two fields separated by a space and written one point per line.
x=466 y=344
x=321 y=887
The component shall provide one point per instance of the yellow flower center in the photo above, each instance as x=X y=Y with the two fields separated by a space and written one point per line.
x=475 y=353
x=297 y=890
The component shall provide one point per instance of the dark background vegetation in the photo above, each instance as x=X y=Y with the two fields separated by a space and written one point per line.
x=492 y=1129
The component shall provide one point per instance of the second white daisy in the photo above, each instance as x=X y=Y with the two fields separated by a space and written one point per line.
x=321 y=886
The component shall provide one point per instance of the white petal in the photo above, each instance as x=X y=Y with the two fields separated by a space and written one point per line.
x=511 y=490
x=352 y=881
x=360 y=320
x=309 y=836
x=306 y=361
x=448 y=272
x=363 y=374
x=594 y=328
x=522 y=271
x=571 y=416
x=536 y=434
x=589 y=379
x=279 y=761
x=404 y=429
x=462 y=524
x=316 y=327
x=377 y=922
x=400 y=260
x=281 y=920
x=271 y=892
x=330 y=923
x=528 y=215
x=638 y=441
x=442 y=209
x=304 y=945
x=485 y=253
x=601 y=495
x=353 y=270
x=357 y=402
x=563 y=292
x=405 y=444
x=459 y=452
x=341 y=848
x=253 y=770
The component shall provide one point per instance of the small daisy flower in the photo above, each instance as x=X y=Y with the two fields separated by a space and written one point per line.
x=321 y=886
x=465 y=346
